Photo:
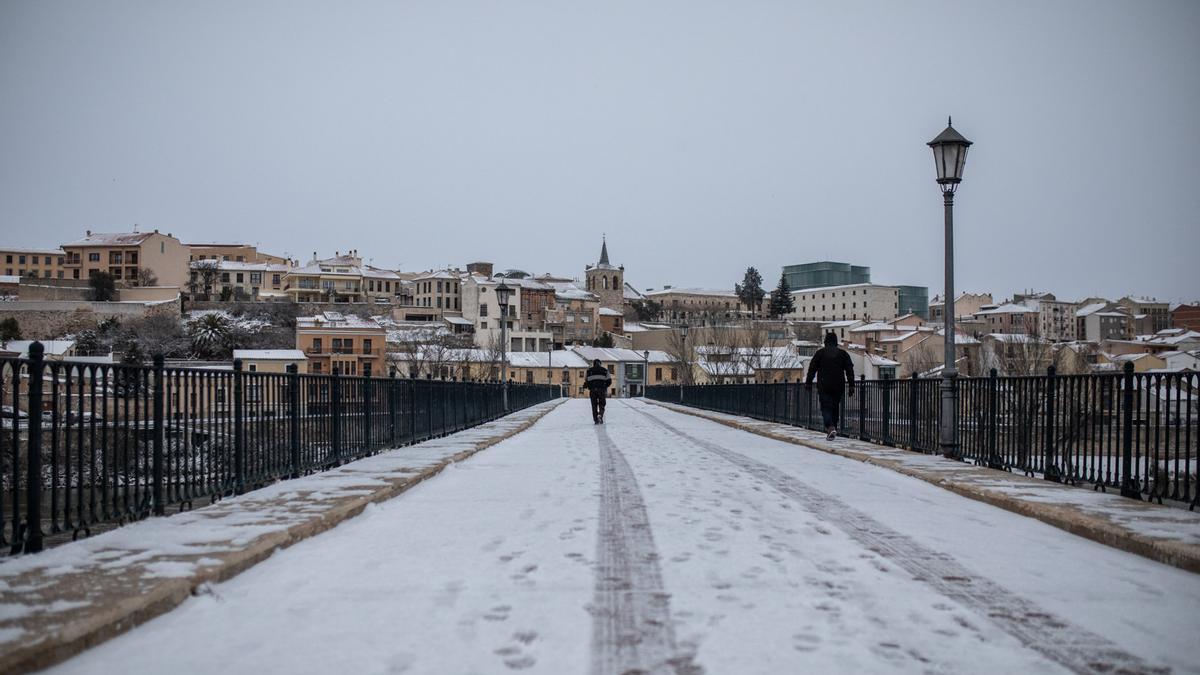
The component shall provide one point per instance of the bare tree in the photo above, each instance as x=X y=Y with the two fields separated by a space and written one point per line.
x=684 y=353
x=203 y=277
x=147 y=277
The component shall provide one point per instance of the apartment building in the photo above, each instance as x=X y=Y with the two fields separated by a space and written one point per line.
x=237 y=280
x=125 y=254
x=480 y=307
x=1010 y=319
x=33 y=263
x=1101 y=321
x=341 y=344
x=1056 y=318
x=440 y=290
x=1186 y=316
x=700 y=305
x=853 y=302
x=1158 y=313
x=965 y=304
x=336 y=279
x=232 y=253
x=383 y=286
x=575 y=316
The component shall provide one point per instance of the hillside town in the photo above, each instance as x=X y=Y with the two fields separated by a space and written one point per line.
x=124 y=297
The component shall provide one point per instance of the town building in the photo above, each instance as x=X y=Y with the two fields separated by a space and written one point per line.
x=965 y=304
x=575 y=316
x=855 y=302
x=1158 y=313
x=1101 y=321
x=271 y=360
x=699 y=305
x=232 y=253
x=341 y=344
x=125 y=255
x=441 y=290
x=237 y=280
x=1010 y=319
x=606 y=280
x=480 y=307
x=1185 y=315
x=35 y=263
x=336 y=279
x=825 y=273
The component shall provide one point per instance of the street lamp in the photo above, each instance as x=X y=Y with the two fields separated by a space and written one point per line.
x=645 y=372
x=949 y=156
x=503 y=293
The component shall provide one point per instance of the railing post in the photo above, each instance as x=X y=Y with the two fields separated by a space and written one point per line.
x=33 y=477
x=160 y=507
x=995 y=461
x=885 y=388
x=366 y=412
x=335 y=415
x=1129 y=486
x=412 y=410
x=1050 y=470
x=293 y=378
x=862 y=407
x=392 y=408
x=913 y=419
x=239 y=434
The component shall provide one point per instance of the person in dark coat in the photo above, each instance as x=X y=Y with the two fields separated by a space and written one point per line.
x=829 y=366
x=597 y=384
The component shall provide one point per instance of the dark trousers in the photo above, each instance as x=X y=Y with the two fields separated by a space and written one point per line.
x=831 y=408
x=598 y=403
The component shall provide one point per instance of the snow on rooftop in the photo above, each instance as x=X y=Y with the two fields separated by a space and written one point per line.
x=608 y=311
x=269 y=354
x=1008 y=308
x=112 y=239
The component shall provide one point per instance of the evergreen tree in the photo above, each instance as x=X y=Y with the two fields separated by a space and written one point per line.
x=781 y=299
x=10 y=329
x=104 y=288
x=750 y=292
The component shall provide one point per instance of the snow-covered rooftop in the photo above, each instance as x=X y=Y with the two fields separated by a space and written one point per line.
x=112 y=239
x=269 y=354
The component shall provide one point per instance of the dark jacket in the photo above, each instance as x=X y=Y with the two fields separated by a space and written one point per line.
x=828 y=366
x=598 y=380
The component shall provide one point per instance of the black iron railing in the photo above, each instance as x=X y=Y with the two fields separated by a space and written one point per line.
x=106 y=444
x=1134 y=432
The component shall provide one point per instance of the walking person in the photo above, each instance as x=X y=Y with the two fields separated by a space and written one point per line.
x=829 y=365
x=597 y=384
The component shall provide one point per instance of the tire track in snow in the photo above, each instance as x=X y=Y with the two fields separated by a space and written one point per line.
x=631 y=611
x=1072 y=647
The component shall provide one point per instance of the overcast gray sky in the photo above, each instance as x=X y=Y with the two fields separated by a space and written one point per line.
x=702 y=137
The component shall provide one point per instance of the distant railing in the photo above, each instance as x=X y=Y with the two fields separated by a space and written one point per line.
x=1134 y=432
x=107 y=444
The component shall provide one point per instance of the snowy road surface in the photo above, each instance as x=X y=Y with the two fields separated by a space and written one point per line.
x=663 y=543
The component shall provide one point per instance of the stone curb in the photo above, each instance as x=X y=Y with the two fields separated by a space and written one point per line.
x=1166 y=551
x=128 y=612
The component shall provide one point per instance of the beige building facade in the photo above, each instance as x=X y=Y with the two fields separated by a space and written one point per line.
x=853 y=302
x=33 y=263
x=341 y=344
x=124 y=255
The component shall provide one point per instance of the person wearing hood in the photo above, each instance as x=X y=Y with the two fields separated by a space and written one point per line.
x=829 y=365
x=597 y=383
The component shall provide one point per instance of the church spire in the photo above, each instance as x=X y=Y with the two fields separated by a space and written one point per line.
x=604 y=251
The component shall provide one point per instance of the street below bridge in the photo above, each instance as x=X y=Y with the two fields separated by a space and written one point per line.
x=660 y=542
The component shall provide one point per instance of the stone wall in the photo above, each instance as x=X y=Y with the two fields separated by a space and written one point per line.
x=48 y=319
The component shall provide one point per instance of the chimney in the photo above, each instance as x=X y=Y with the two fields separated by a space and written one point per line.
x=89 y=233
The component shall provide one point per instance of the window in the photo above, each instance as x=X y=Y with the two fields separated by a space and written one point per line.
x=316 y=345
x=93 y=257
x=21 y=260
x=658 y=374
x=367 y=346
x=47 y=260
x=224 y=277
x=241 y=277
x=114 y=258
x=566 y=376
x=8 y=259
x=253 y=368
x=483 y=310
x=256 y=277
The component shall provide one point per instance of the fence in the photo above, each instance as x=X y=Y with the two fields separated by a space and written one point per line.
x=1135 y=432
x=87 y=445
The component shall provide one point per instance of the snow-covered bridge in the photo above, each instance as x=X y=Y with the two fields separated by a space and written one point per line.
x=666 y=543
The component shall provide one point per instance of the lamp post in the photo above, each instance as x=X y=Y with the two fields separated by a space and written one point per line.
x=949 y=156
x=503 y=293
x=645 y=372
